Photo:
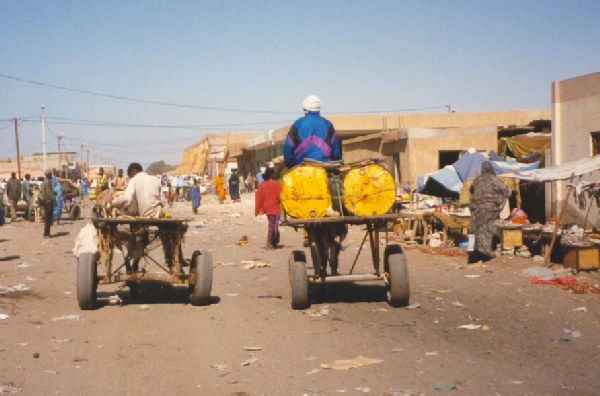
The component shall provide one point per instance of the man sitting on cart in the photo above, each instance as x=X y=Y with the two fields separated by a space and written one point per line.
x=141 y=199
x=311 y=136
x=142 y=195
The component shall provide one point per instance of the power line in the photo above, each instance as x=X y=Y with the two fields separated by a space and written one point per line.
x=223 y=109
x=80 y=122
x=130 y=99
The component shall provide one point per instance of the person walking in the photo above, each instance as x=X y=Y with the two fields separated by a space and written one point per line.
x=26 y=190
x=242 y=184
x=268 y=201
x=488 y=195
x=13 y=192
x=311 y=136
x=195 y=196
x=119 y=182
x=220 y=189
x=48 y=200
x=60 y=199
x=234 y=186
x=249 y=182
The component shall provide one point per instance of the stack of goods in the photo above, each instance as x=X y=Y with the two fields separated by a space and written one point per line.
x=575 y=237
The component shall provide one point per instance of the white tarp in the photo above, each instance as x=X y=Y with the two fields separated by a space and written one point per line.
x=559 y=172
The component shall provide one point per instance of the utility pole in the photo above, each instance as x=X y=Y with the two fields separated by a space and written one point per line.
x=88 y=162
x=18 y=152
x=80 y=159
x=44 y=138
x=59 y=158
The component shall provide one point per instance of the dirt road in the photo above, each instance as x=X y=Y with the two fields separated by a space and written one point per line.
x=530 y=339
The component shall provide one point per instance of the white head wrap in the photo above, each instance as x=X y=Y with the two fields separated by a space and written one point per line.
x=311 y=103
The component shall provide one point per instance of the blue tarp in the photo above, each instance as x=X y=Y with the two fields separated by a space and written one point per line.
x=469 y=165
x=448 y=182
x=442 y=183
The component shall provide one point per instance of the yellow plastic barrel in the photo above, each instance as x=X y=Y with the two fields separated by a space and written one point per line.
x=369 y=190
x=305 y=193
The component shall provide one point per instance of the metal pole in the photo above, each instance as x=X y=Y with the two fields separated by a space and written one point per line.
x=59 y=158
x=88 y=163
x=44 y=138
x=18 y=152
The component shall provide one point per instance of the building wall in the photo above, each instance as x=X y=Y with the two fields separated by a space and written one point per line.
x=575 y=114
x=359 y=149
x=437 y=120
x=423 y=147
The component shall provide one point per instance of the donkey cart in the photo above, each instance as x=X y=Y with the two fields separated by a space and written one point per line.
x=325 y=245
x=134 y=239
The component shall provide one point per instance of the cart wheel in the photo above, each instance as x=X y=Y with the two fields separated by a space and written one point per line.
x=399 y=289
x=201 y=273
x=75 y=212
x=298 y=280
x=87 y=281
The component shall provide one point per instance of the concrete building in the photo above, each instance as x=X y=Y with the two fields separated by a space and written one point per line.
x=575 y=135
x=411 y=144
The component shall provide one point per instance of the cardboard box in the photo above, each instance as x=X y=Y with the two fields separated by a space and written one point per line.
x=581 y=258
x=511 y=238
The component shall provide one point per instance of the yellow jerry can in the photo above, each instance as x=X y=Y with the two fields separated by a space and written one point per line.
x=305 y=193
x=369 y=190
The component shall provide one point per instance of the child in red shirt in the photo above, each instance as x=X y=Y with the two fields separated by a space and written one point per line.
x=267 y=201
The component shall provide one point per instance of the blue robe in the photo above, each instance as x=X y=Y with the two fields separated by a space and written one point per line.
x=60 y=199
x=84 y=188
x=195 y=196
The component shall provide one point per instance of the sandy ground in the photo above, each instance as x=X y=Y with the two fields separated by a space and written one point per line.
x=533 y=339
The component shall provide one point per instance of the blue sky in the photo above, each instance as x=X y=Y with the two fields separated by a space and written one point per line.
x=218 y=66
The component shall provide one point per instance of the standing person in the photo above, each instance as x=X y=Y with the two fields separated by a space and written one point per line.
x=220 y=189
x=311 y=136
x=268 y=201
x=13 y=192
x=170 y=194
x=259 y=176
x=488 y=195
x=234 y=186
x=102 y=184
x=60 y=199
x=48 y=200
x=119 y=182
x=26 y=189
x=242 y=184
x=195 y=196
x=84 y=187
x=250 y=182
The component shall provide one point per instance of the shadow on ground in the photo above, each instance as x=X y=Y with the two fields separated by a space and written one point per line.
x=347 y=292
x=150 y=293
x=10 y=258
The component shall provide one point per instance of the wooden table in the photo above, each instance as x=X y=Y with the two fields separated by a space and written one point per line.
x=417 y=221
x=452 y=221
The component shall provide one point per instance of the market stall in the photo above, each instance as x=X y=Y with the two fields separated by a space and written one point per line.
x=580 y=247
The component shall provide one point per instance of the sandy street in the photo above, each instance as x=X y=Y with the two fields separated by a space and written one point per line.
x=523 y=339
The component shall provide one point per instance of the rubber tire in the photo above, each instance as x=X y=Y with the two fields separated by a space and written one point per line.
x=75 y=212
x=298 y=280
x=201 y=264
x=87 y=281
x=399 y=285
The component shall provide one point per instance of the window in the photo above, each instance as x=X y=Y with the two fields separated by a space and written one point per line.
x=595 y=143
x=448 y=157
